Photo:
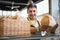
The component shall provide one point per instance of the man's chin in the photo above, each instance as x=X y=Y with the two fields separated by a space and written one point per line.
x=33 y=18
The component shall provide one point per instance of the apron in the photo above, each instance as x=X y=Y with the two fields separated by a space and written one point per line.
x=31 y=25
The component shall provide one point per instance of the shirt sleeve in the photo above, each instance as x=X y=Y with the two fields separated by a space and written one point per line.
x=52 y=21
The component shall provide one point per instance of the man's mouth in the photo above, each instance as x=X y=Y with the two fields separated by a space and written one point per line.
x=32 y=15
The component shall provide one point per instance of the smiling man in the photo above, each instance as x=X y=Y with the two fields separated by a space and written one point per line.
x=32 y=18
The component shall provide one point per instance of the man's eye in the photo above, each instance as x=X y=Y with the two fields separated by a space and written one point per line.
x=34 y=11
x=30 y=11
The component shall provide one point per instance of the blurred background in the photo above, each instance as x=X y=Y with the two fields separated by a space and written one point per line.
x=11 y=7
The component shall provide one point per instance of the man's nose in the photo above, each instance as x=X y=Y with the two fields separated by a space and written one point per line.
x=32 y=12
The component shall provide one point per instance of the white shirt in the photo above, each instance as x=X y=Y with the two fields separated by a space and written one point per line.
x=52 y=21
x=35 y=23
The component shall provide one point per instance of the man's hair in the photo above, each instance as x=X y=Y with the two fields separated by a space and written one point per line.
x=31 y=5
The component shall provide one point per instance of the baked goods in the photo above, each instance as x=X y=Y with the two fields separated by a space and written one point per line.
x=12 y=27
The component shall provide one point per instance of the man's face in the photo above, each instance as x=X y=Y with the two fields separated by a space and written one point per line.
x=32 y=13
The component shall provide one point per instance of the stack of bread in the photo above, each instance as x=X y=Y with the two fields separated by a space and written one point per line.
x=14 y=26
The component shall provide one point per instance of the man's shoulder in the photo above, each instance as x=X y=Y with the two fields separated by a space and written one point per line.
x=39 y=19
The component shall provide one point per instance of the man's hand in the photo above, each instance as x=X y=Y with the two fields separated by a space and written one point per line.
x=33 y=29
x=43 y=28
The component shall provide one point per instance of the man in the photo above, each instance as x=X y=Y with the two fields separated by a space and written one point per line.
x=35 y=22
